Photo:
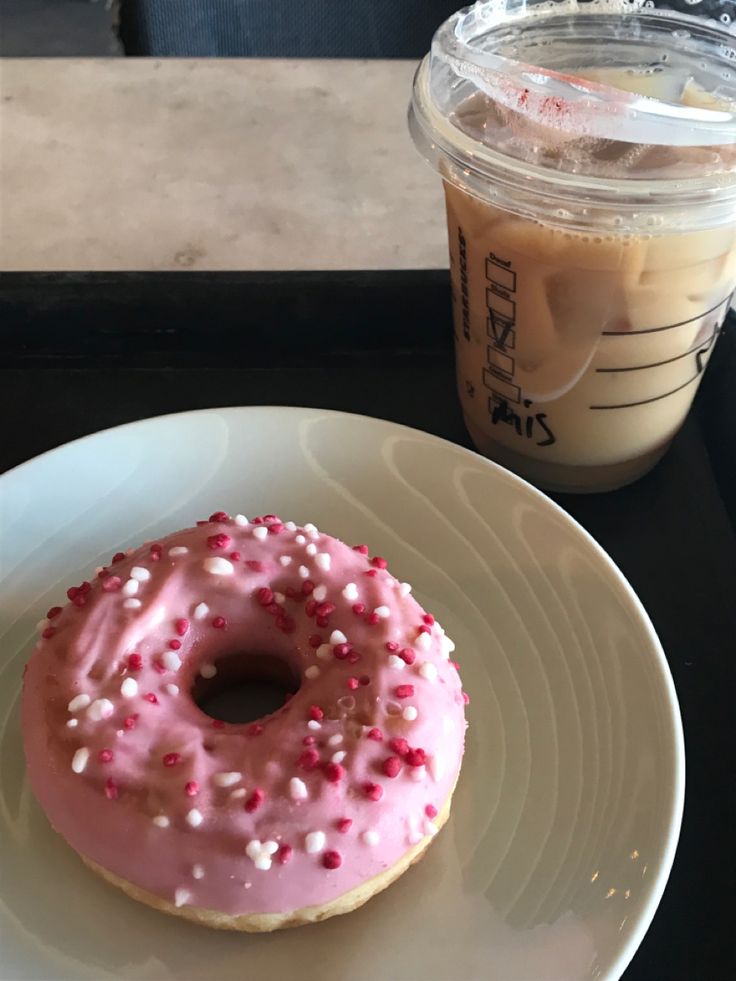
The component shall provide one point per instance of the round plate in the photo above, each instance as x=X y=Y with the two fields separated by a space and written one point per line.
x=566 y=816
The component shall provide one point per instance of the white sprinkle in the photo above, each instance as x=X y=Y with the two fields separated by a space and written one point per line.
x=198 y=872
x=424 y=641
x=181 y=896
x=428 y=670
x=194 y=818
x=300 y=539
x=396 y=662
x=346 y=702
x=130 y=588
x=101 y=708
x=171 y=660
x=312 y=672
x=132 y=604
x=370 y=837
x=447 y=645
x=323 y=561
x=350 y=592
x=260 y=532
x=410 y=713
x=161 y=821
x=311 y=530
x=290 y=526
x=227 y=778
x=303 y=571
x=129 y=551
x=241 y=520
x=79 y=702
x=338 y=637
x=200 y=611
x=279 y=598
x=139 y=573
x=260 y=853
x=314 y=725
x=415 y=837
x=339 y=756
x=298 y=789
x=129 y=688
x=404 y=588
x=238 y=794
x=430 y=828
x=435 y=768
x=323 y=651
x=418 y=773
x=311 y=549
x=79 y=760
x=72 y=723
x=319 y=593
x=208 y=671
x=171 y=689
x=42 y=624
x=383 y=612
x=335 y=740
x=285 y=560
x=217 y=566
x=315 y=842
x=178 y=550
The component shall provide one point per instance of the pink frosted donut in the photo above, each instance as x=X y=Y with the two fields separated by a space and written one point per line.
x=303 y=814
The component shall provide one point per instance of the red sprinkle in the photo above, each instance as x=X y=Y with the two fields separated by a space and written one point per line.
x=407 y=655
x=309 y=741
x=109 y=585
x=171 y=759
x=307 y=587
x=404 y=691
x=325 y=609
x=416 y=757
x=373 y=619
x=254 y=565
x=218 y=724
x=310 y=608
x=353 y=683
x=53 y=612
x=364 y=679
x=255 y=730
x=191 y=788
x=284 y=854
x=135 y=662
x=85 y=587
x=371 y=573
x=158 y=667
x=322 y=621
x=308 y=759
x=454 y=664
x=105 y=756
x=293 y=594
x=341 y=651
x=130 y=722
x=111 y=789
x=392 y=646
x=315 y=641
x=181 y=625
x=72 y=592
x=286 y=624
x=175 y=645
x=424 y=629
x=332 y=860
x=264 y=596
x=275 y=528
x=375 y=734
x=235 y=556
x=80 y=599
x=219 y=541
x=373 y=791
x=156 y=552
x=428 y=619
x=378 y=562
x=344 y=825
x=466 y=698
x=316 y=713
x=400 y=746
x=353 y=657
x=48 y=633
x=363 y=549
x=431 y=811
x=118 y=557
x=254 y=801
x=391 y=766
x=102 y=573
x=359 y=609
x=150 y=697
x=334 y=772
x=273 y=609
x=219 y=623
x=219 y=517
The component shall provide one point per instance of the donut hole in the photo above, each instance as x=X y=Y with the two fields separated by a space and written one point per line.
x=246 y=687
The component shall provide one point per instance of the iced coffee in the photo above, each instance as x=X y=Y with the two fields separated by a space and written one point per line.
x=591 y=210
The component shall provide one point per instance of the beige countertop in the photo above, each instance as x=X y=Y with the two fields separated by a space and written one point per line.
x=112 y=164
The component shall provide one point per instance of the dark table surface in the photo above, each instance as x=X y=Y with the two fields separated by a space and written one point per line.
x=80 y=353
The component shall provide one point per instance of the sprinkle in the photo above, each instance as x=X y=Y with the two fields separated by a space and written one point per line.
x=375 y=734
x=334 y=772
x=399 y=746
x=308 y=759
x=339 y=756
x=260 y=852
x=112 y=790
x=353 y=683
x=383 y=612
x=171 y=759
x=219 y=623
x=285 y=560
x=72 y=723
x=222 y=540
x=254 y=801
x=171 y=661
x=139 y=573
x=303 y=571
x=358 y=609
x=350 y=592
x=132 y=604
x=447 y=646
x=407 y=655
x=260 y=532
x=311 y=549
x=283 y=855
x=314 y=842
x=311 y=530
x=194 y=818
x=396 y=662
x=79 y=702
x=191 y=788
x=109 y=585
x=418 y=773
x=337 y=637
x=218 y=517
x=129 y=688
x=410 y=713
x=314 y=725
x=332 y=860
x=130 y=722
x=430 y=828
x=404 y=691
x=255 y=729
x=131 y=587
x=208 y=671
x=217 y=566
x=415 y=757
x=238 y=794
x=391 y=766
x=424 y=640
x=161 y=821
x=300 y=539
x=341 y=651
x=198 y=872
x=404 y=588
x=320 y=593
x=181 y=626
x=323 y=651
x=226 y=778
x=335 y=740
x=171 y=689
x=373 y=791
x=101 y=708
x=240 y=520
x=344 y=825
x=254 y=565
x=79 y=760
x=181 y=897
x=201 y=611
x=178 y=550
x=298 y=789
x=312 y=672
x=378 y=562
x=436 y=769
x=323 y=561
x=363 y=549
x=428 y=671
x=370 y=837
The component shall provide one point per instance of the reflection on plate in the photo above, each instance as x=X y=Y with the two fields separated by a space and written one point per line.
x=567 y=812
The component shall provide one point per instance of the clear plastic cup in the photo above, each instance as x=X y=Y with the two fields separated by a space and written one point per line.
x=588 y=154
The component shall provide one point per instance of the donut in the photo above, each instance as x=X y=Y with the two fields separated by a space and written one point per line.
x=300 y=815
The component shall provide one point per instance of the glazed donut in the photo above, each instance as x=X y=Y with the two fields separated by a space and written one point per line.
x=253 y=826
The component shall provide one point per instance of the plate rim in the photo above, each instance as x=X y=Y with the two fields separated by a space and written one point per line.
x=658 y=883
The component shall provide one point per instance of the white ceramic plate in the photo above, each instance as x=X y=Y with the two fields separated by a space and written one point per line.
x=567 y=813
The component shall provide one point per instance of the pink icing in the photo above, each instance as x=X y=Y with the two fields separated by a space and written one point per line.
x=330 y=790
